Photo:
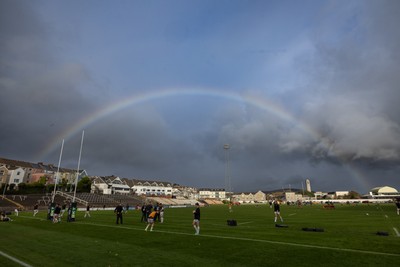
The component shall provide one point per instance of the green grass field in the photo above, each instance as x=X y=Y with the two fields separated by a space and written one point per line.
x=349 y=238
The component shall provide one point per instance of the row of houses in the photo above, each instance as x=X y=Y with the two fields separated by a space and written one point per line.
x=115 y=185
x=16 y=172
x=381 y=192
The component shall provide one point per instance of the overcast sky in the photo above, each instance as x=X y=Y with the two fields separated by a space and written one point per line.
x=298 y=89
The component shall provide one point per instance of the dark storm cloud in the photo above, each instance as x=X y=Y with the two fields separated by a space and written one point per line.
x=338 y=76
x=39 y=94
x=355 y=80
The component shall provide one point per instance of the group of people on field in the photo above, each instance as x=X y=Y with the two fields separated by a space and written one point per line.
x=155 y=213
x=151 y=214
x=148 y=209
x=58 y=212
x=4 y=217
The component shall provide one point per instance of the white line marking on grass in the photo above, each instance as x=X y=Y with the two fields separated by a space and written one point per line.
x=253 y=240
x=292 y=214
x=243 y=223
x=14 y=259
x=396 y=231
x=242 y=239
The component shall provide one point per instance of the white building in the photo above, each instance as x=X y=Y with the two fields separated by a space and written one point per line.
x=293 y=197
x=119 y=187
x=15 y=175
x=384 y=192
x=205 y=193
x=100 y=186
x=250 y=197
x=116 y=185
x=185 y=192
x=110 y=185
x=341 y=194
x=152 y=188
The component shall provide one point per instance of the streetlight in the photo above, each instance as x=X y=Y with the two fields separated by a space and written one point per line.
x=227 y=169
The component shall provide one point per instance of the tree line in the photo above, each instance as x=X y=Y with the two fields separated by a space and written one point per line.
x=42 y=187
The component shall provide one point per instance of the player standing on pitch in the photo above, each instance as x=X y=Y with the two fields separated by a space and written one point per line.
x=196 y=219
x=277 y=210
x=118 y=211
x=398 y=206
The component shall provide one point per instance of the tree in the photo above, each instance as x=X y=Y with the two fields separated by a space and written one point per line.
x=84 y=185
x=64 y=184
x=43 y=180
x=309 y=194
x=353 y=195
x=22 y=188
x=36 y=187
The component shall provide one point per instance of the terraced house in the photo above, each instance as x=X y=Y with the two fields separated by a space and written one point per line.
x=16 y=172
x=115 y=185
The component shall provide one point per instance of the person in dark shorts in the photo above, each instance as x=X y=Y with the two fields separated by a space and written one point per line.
x=56 y=215
x=277 y=210
x=35 y=209
x=196 y=219
x=126 y=208
x=156 y=208
x=144 y=217
x=398 y=206
x=118 y=211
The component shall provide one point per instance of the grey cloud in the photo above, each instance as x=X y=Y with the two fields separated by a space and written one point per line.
x=340 y=79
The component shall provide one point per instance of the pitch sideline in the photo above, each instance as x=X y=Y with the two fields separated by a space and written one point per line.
x=244 y=239
x=5 y=255
x=252 y=240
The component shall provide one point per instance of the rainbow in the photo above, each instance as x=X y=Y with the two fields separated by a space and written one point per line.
x=135 y=99
x=86 y=121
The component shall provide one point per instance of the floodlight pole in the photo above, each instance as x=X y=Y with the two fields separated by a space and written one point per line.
x=227 y=170
x=58 y=171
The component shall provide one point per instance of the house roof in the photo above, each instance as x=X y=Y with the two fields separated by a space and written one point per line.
x=39 y=165
x=383 y=190
x=129 y=182
x=212 y=189
x=12 y=162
